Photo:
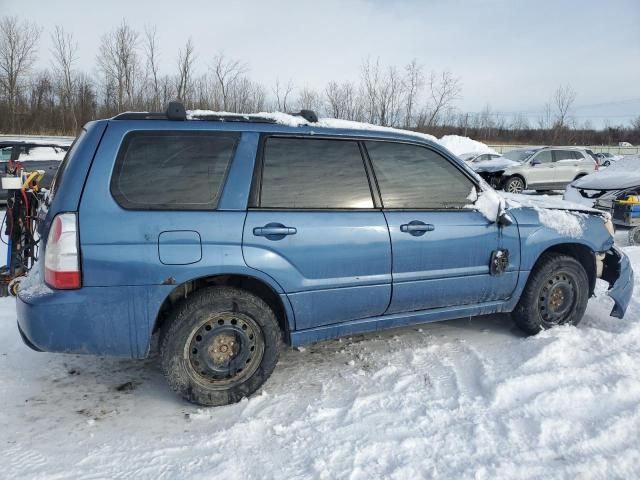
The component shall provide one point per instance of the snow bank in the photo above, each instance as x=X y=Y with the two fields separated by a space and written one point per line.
x=459 y=145
x=42 y=153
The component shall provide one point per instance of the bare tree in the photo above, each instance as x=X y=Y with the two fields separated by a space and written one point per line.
x=563 y=100
x=64 y=56
x=414 y=81
x=635 y=123
x=343 y=100
x=151 y=53
x=186 y=58
x=443 y=89
x=227 y=72
x=18 y=41
x=282 y=95
x=118 y=61
x=545 y=118
x=309 y=99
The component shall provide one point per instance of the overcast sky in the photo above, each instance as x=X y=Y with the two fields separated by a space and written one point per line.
x=510 y=54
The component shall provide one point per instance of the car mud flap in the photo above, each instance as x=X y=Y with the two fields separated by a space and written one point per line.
x=618 y=273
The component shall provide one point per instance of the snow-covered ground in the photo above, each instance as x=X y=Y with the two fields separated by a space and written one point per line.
x=470 y=398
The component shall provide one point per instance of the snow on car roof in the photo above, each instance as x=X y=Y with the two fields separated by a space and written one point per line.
x=298 y=121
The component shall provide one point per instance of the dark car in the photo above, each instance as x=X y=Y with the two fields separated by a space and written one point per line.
x=32 y=156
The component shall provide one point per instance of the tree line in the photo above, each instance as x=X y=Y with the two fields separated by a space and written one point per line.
x=61 y=98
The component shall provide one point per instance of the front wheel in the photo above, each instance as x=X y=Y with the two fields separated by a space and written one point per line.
x=514 y=185
x=220 y=345
x=556 y=294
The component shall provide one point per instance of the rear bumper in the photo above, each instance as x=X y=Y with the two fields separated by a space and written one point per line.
x=618 y=272
x=94 y=320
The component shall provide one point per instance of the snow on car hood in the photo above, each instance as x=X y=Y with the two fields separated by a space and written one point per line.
x=494 y=165
x=566 y=218
x=625 y=173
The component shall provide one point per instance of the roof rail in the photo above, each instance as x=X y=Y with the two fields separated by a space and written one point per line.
x=176 y=111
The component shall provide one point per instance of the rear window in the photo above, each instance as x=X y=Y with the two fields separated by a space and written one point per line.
x=172 y=170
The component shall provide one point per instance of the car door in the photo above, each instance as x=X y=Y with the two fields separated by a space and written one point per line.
x=441 y=249
x=314 y=227
x=567 y=166
x=541 y=170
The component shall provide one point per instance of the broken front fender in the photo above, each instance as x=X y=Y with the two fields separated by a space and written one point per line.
x=618 y=272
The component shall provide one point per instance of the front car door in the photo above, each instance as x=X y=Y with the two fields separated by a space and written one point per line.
x=541 y=169
x=314 y=227
x=441 y=248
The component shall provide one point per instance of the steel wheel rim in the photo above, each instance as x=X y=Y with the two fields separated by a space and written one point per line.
x=225 y=350
x=515 y=186
x=557 y=298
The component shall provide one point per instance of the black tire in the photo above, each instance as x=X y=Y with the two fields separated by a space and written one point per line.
x=556 y=294
x=634 y=236
x=514 y=185
x=219 y=346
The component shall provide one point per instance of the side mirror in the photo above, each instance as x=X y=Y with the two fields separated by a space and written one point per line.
x=535 y=161
x=504 y=219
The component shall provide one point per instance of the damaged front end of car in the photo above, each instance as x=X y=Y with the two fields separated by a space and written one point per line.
x=616 y=270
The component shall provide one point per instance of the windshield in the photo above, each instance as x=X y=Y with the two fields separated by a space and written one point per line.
x=519 y=155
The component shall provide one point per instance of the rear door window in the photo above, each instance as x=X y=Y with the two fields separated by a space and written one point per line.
x=172 y=170
x=563 y=155
x=300 y=173
x=414 y=177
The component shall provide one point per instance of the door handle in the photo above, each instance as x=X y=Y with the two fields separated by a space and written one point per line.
x=417 y=228
x=274 y=231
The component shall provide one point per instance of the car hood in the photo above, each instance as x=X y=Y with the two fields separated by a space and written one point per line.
x=495 y=165
x=609 y=180
x=543 y=201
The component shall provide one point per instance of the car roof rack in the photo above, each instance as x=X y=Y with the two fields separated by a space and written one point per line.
x=176 y=111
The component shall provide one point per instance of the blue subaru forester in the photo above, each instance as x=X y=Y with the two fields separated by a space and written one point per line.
x=226 y=235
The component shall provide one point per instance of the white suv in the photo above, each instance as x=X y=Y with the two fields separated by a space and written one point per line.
x=538 y=168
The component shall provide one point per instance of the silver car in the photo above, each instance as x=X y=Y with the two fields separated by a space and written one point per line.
x=538 y=168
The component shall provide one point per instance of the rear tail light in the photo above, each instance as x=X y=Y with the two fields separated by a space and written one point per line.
x=62 y=259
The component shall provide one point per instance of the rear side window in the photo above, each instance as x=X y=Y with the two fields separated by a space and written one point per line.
x=301 y=173
x=414 y=177
x=172 y=170
x=564 y=155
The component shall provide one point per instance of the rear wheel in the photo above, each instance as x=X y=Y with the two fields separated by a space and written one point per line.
x=220 y=345
x=514 y=185
x=556 y=294
x=634 y=236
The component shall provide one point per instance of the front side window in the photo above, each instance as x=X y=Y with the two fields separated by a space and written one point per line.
x=544 y=157
x=415 y=177
x=172 y=170
x=300 y=173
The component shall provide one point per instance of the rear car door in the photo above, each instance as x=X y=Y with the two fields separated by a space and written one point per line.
x=313 y=225
x=567 y=165
x=441 y=250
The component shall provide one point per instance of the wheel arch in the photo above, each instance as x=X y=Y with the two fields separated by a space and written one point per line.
x=249 y=283
x=581 y=252
x=515 y=175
